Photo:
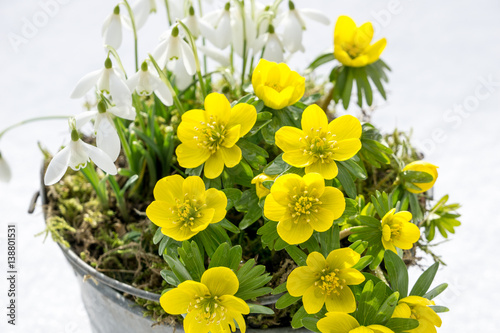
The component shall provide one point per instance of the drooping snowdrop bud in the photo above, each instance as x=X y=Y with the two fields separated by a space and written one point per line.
x=109 y=80
x=141 y=10
x=216 y=27
x=294 y=25
x=215 y=54
x=145 y=82
x=5 y=174
x=273 y=48
x=192 y=22
x=112 y=29
x=76 y=155
x=240 y=35
x=173 y=47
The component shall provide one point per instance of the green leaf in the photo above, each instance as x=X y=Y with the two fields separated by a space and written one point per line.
x=277 y=167
x=439 y=309
x=169 y=277
x=436 y=291
x=387 y=309
x=417 y=176
x=401 y=324
x=269 y=234
x=253 y=154
x=286 y=300
x=279 y=289
x=178 y=268
x=424 y=281
x=194 y=171
x=311 y=323
x=192 y=259
x=346 y=180
x=229 y=226
x=158 y=236
x=363 y=262
x=297 y=255
x=249 y=204
x=321 y=60
x=255 y=308
x=354 y=168
x=298 y=316
x=346 y=94
x=220 y=256
x=398 y=274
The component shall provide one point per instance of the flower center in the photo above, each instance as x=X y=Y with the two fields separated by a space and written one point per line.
x=321 y=147
x=275 y=86
x=209 y=310
x=352 y=49
x=391 y=230
x=303 y=204
x=211 y=135
x=329 y=282
x=187 y=212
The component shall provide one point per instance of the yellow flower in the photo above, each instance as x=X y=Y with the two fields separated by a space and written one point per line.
x=319 y=144
x=352 y=44
x=422 y=167
x=209 y=136
x=326 y=281
x=417 y=307
x=262 y=191
x=398 y=231
x=183 y=208
x=210 y=305
x=302 y=205
x=338 y=322
x=277 y=85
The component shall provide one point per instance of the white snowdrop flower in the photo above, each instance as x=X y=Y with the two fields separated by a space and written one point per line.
x=273 y=47
x=112 y=29
x=182 y=78
x=294 y=25
x=216 y=27
x=5 y=174
x=173 y=47
x=238 y=36
x=145 y=82
x=76 y=155
x=141 y=9
x=192 y=22
x=109 y=80
x=105 y=132
x=215 y=54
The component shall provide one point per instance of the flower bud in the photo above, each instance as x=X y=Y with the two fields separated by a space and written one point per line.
x=422 y=166
x=107 y=63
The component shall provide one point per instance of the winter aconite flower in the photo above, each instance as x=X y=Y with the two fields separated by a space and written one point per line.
x=338 y=322
x=417 y=307
x=209 y=305
x=352 y=44
x=76 y=155
x=422 y=167
x=319 y=144
x=183 y=208
x=398 y=231
x=277 y=85
x=261 y=190
x=326 y=281
x=302 y=205
x=209 y=136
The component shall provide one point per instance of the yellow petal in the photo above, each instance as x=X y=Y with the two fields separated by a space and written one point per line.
x=235 y=304
x=342 y=56
x=380 y=329
x=427 y=314
x=342 y=258
x=189 y=157
x=220 y=281
x=343 y=302
x=297 y=158
x=160 y=213
x=386 y=233
x=346 y=149
x=230 y=156
x=193 y=187
x=287 y=183
x=402 y=310
x=363 y=35
x=177 y=300
x=345 y=127
x=316 y=261
x=218 y=106
x=289 y=138
x=314 y=119
x=351 y=276
x=409 y=234
x=218 y=201
x=416 y=300
x=315 y=184
x=232 y=136
x=345 y=29
x=273 y=210
x=299 y=280
x=191 y=120
x=388 y=245
x=271 y=97
x=294 y=233
x=403 y=216
x=245 y=115
x=322 y=220
x=313 y=300
x=327 y=170
x=337 y=322
x=333 y=200
x=214 y=165
x=168 y=189
x=374 y=51
x=241 y=323
x=192 y=324
x=423 y=166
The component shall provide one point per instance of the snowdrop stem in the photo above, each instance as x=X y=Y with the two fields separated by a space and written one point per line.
x=275 y=5
x=200 y=8
x=196 y=59
x=168 y=13
x=134 y=29
x=120 y=197
x=117 y=58
x=30 y=120
x=98 y=185
x=242 y=9
x=164 y=78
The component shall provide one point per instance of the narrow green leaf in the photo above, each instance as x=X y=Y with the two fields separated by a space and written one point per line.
x=286 y=300
x=398 y=274
x=297 y=255
x=424 y=281
x=387 y=309
x=436 y=291
x=255 y=308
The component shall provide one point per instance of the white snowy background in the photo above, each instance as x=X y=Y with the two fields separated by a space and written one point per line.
x=445 y=85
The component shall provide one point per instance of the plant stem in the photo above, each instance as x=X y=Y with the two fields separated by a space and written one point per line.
x=242 y=8
x=100 y=189
x=117 y=58
x=164 y=78
x=380 y=275
x=168 y=13
x=30 y=120
x=132 y=20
